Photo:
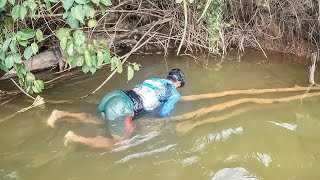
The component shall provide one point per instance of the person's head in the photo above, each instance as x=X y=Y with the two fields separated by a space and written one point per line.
x=176 y=76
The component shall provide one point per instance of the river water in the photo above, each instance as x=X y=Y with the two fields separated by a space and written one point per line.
x=266 y=141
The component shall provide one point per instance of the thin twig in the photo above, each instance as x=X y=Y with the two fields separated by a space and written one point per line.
x=22 y=89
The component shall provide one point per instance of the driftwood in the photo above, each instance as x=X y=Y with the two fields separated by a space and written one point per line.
x=187 y=126
x=247 y=91
x=229 y=104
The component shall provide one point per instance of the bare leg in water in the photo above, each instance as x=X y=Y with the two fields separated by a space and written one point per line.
x=82 y=117
x=96 y=142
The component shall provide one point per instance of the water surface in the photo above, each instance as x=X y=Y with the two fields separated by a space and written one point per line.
x=273 y=141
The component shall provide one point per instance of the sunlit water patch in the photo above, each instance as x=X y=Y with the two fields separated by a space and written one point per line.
x=238 y=173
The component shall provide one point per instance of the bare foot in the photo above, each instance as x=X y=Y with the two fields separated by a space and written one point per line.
x=68 y=137
x=53 y=117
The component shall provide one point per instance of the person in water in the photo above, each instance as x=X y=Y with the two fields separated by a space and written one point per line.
x=119 y=108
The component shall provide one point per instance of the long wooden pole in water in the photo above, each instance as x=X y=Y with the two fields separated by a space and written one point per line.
x=229 y=104
x=247 y=91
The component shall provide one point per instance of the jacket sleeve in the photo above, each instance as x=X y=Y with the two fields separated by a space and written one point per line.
x=169 y=105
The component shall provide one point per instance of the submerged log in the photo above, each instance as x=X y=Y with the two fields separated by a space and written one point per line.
x=44 y=60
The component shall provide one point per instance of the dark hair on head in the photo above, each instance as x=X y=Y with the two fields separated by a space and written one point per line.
x=176 y=75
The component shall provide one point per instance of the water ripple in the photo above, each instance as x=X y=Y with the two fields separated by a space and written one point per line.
x=264 y=158
x=143 y=154
x=203 y=142
x=189 y=161
x=134 y=141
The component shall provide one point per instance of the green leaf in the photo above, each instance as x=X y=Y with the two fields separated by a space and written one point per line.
x=107 y=57
x=22 y=12
x=30 y=78
x=39 y=35
x=13 y=45
x=81 y=1
x=15 y=12
x=39 y=83
x=32 y=5
x=72 y=22
x=34 y=48
x=117 y=63
x=67 y=4
x=25 y=34
x=35 y=89
x=63 y=43
x=17 y=58
x=85 y=68
x=23 y=43
x=119 y=68
x=3 y=66
x=77 y=13
x=2 y=3
x=11 y=2
x=54 y=1
x=92 y=23
x=80 y=61
x=27 y=52
x=94 y=60
x=96 y=1
x=136 y=66
x=113 y=64
x=65 y=14
x=70 y=47
x=63 y=33
x=79 y=37
x=6 y=44
x=130 y=72
x=9 y=61
x=28 y=90
x=106 y=2
x=87 y=58
x=48 y=5
x=2 y=56
x=179 y=1
x=93 y=70
x=89 y=10
x=99 y=58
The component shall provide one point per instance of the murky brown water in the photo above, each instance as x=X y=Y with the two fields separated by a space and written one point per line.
x=274 y=141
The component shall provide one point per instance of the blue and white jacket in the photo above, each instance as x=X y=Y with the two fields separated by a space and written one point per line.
x=156 y=92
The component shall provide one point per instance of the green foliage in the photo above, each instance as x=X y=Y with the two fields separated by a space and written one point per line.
x=20 y=43
x=25 y=41
x=213 y=16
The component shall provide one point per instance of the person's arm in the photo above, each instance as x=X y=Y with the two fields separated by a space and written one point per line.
x=169 y=105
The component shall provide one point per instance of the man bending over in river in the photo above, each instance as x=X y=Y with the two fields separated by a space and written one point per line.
x=118 y=108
